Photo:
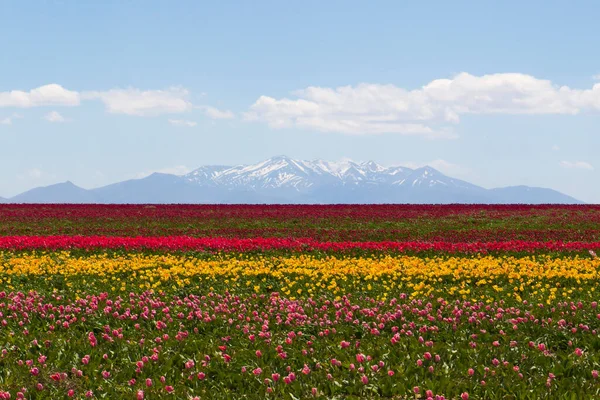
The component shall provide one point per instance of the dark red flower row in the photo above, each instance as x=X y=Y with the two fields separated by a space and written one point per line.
x=186 y=243
x=327 y=223
x=281 y=212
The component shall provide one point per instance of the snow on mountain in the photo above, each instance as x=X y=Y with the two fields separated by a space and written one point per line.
x=205 y=176
x=276 y=172
x=372 y=166
x=282 y=179
x=427 y=177
x=284 y=172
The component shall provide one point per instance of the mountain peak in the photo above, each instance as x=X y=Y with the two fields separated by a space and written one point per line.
x=280 y=157
x=64 y=192
x=373 y=166
x=282 y=179
x=427 y=170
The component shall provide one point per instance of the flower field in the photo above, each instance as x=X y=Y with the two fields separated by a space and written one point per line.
x=353 y=223
x=297 y=302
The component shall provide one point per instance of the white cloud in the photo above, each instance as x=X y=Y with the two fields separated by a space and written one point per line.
x=576 y=164
x=9 y=120
x=143 y=103
x=329 y=111
x=215 y=113
x=47 y=95
x=182 y=122
x=428 y=111
x=556 y=147
x=54 y=116
x=35 y=173
x=35 y=177
x=176 y=170
x=596 y=77
x=448 y=167
x=130 y=101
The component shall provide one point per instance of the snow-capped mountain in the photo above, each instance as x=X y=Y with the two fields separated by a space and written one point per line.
x=427 y=177
x=274 y=173
x=284 y=172
x=204 y=176
x=282 y=179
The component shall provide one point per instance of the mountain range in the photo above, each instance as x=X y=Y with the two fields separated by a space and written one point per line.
x=283 y=180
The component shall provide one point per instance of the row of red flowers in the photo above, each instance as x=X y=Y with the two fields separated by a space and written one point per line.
x=286 y=211
x=186 y=243
x=326 y=234
x=328 y=223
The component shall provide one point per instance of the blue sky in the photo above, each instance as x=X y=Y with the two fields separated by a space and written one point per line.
x=497 y=94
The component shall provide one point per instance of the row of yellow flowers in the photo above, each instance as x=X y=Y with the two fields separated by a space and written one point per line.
x=307 y=275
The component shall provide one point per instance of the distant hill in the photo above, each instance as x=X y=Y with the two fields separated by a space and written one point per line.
x=525 y=194
x=66 y=192
x=285 y=180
